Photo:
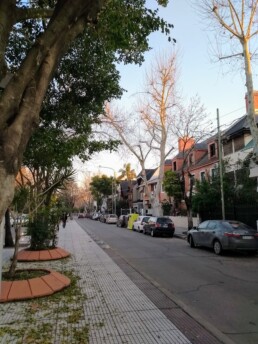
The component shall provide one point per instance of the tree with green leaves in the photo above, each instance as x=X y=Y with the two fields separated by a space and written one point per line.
x=171 y=184
x=127 y=173
x=122 y=26
x=101 y=187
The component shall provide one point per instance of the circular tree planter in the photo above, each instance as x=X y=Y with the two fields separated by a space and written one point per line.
x=49 y=283
x=28 y=255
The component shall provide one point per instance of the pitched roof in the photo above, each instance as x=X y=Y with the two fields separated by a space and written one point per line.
x=149 y=173
x=238 y=127
x=168 y=162
x=198 y=146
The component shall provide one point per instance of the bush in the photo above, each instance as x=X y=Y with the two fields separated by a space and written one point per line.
x=166 y=206
x=43 y=228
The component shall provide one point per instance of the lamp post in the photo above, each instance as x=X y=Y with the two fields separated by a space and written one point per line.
x=113 y=189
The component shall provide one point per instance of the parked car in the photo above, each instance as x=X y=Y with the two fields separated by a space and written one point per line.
x=224 y=235
x=22 y=220
x=138 y=224
x=159 y=225
x=111 y=218
x=95 y=216
x=81 y=216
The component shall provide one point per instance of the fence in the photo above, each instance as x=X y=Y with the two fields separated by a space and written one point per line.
x=247 y=213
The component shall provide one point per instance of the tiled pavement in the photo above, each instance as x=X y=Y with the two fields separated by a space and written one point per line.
x=121 y=306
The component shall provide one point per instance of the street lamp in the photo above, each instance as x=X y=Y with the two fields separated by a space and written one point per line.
x=113 y=189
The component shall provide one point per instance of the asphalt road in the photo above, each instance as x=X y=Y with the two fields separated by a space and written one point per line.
x=222 y=290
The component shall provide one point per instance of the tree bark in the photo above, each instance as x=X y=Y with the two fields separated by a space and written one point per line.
x=8 y=234
x=250 y=98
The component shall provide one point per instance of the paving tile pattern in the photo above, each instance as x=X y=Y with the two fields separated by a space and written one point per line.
x=116 y=310
x=194 y=331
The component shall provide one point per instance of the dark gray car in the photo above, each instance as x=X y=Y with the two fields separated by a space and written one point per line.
x=224 y=235
x=159 y=225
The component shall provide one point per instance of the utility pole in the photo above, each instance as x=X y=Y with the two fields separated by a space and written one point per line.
x=220 y=169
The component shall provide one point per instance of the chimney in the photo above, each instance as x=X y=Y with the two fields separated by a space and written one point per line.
x=255 y=101
x=185 y=143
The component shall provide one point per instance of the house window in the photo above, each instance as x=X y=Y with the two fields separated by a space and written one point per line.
x=227 y=148
x=212 y=150
x=214 y=172
x=192 y=179
x=202 y=176
x=191 y=159
x=239 y=143
x=174 y=166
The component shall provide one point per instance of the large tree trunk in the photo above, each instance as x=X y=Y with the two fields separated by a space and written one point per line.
x=250 y=99
x=8 y=234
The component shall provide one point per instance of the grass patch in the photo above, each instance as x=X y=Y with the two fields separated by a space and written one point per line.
x=24 y=274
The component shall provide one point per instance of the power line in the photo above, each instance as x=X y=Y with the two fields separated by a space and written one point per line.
x=229 y=113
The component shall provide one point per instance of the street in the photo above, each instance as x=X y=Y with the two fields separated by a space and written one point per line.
x=222 y=290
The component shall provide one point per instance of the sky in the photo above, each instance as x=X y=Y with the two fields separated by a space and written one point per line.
x=217 y=87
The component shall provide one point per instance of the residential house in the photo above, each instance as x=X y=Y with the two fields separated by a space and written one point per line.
x=198 y=161
x=237 y=143
x=142 y=202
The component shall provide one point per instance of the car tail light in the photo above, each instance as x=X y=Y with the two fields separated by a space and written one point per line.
x=157 y=225
x=232 y=235
x=256 y=235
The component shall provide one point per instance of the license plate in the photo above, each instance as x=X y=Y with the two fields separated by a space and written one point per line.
x=165 y=226
x=247 y=237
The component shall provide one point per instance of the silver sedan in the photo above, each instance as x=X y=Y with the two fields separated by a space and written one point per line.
x=224 y=235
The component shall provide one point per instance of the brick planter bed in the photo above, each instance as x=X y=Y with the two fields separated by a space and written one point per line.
x=45 y=285
x=27 y=255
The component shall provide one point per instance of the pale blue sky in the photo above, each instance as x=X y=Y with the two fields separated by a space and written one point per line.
x=216 y=87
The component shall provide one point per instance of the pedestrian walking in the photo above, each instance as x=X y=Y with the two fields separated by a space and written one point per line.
x=64 y=219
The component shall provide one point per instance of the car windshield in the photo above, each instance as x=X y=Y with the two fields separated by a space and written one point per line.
x=112 y=215
x=145 y=219
x=163 y=220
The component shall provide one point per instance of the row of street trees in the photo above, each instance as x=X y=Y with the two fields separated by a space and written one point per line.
x=164 y=117
x=162 y=113
x=44 y=83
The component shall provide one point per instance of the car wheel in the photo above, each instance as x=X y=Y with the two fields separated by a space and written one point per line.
x=144 y=232
x=133 y=229
x=152 y=233
x=217 y=247
x=191 y=242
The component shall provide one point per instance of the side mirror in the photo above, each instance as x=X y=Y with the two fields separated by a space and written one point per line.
x=194 y=227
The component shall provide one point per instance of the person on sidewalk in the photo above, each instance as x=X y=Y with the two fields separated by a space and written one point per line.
x=64 y=219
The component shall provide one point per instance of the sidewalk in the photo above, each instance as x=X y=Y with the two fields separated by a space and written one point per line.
x=115 y=310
